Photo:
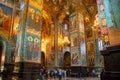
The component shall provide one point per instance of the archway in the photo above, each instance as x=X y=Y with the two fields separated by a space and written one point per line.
x=42 y=59
x=1 y=50
x=67 y=58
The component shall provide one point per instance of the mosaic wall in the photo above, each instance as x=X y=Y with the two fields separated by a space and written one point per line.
x=5 y=17
x=77 y=37
x=29 y=34
x=110 y=20
x=82 y=40
x=73 y=21
x=74 y=39
x=103 y=22
x=33 y=33
x=115 y=9
x=32 y=47
x=21 y=32
x=74 y=57
x=112 y=7
x=109 y=17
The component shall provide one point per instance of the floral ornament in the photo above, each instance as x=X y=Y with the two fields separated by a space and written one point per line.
x=102 y=7
x=99 y=1
x=104 y=30
x=104 y=22
x=106 y=39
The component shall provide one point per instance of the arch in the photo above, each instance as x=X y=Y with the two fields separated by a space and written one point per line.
x=3 y=43
x=1 y=49
x=42 y=58
x=67 y=59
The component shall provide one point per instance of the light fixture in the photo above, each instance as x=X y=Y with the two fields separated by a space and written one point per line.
x=66 y=40
x=60 y=39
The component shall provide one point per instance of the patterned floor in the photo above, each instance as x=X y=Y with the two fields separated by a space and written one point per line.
x=86 y=78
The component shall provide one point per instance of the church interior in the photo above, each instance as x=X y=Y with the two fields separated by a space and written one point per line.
x=80 y=35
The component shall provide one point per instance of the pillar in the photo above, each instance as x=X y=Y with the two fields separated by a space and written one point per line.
x=78 y=45
x=27 y=59
x=56 y=45
x=110 y=34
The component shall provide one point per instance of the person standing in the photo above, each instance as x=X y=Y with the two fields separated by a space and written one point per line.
x=65 y=75
x=60 y=74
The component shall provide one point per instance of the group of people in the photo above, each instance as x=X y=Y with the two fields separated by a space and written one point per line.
x=55 y=73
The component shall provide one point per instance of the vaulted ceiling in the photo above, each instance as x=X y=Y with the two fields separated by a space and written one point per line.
x=59 y=9
x=91 y=6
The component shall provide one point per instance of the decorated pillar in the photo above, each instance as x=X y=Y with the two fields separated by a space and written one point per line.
x=29 y=37
x=110 y=26
x=110 y=20
x=21 y=31
x=82 y=40
x=74 y=40
x=103 y=23
x=112 y=10
x=33 y=32
x=77 y=35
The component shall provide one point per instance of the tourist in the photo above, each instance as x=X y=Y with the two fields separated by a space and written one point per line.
x=60 y=74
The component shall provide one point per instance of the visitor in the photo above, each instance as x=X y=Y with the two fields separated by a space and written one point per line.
x=46 y=73
x=93 y=73
x=41 y=74
x=55 y=72
x=65 y=74
x=60 y=74
x=102 y=75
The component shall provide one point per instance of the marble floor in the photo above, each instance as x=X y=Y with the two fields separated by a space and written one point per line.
x=85 y=78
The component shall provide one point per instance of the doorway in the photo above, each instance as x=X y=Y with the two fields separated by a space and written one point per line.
x=1 y=49
x=42 y=59
x=67 y=60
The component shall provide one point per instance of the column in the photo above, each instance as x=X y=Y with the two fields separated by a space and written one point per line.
x=103 y=24
x=112 y=10
x=29 y=39
x=111 y=53
x=56 y=44
x=82 y=40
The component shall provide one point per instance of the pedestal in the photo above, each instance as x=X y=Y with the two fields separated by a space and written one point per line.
x=79 y=71
x=7 y=73
x=28 y=71
x=111 y=63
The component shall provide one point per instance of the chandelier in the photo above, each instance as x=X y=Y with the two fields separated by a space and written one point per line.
x=66 y=40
